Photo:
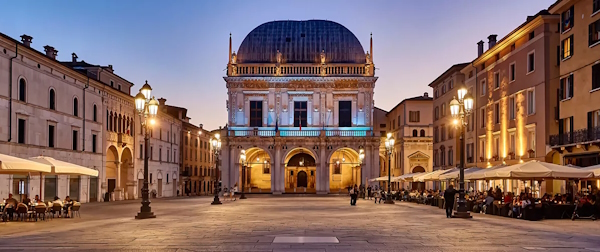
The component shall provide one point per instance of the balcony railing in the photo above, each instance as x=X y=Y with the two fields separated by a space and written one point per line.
x=124 y=138
x=574 y=137
x=299 y=133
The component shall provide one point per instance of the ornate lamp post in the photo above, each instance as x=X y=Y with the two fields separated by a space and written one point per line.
x=361 y=157
x=147 y=108
x=460 y=109
x=216 y=144
x=389 y=146
x=244 y=163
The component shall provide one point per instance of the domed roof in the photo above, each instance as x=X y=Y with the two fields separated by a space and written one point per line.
x=301 y=42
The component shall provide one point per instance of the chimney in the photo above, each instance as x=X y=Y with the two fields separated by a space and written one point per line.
x=50 y=52
x=161 y=101
x=425 y=95
x=201 y=126
x=73 y=57
x=479 y=48
x=492 y=41
x=26 y=39
x=110 y=67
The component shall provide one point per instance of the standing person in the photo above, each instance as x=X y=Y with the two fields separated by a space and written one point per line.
x=369 y=192
x=355 y=195
x=449 y=199
x=351 y=193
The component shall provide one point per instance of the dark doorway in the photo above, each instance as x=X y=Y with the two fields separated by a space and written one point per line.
x=300 y=114
x=111 y=185
x=93 y=189
x=302 y=179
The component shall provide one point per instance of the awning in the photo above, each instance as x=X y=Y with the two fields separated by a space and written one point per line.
x=595 y=169
x=456 y=172
x=409 y=177
x=15 y=165
x=538 y=170
x=61 y=167
x=384 y=178
x=480 y=174
x=433 y=176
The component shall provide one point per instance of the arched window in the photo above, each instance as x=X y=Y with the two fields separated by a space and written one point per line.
x=415 y=133
x=52 y=99
x=450 y=157
x=22 y=89
x=75 y=107
x=422 y=133
x=114 y=126
x=110 y=122
x=120 y=128
x=95 y=113
x=107 y=122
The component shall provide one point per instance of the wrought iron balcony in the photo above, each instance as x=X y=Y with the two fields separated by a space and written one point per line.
x=576 y=137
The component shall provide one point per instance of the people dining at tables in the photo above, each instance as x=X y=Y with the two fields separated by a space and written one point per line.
x=37 y=199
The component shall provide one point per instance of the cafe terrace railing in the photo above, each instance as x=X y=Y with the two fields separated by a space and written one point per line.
x=297 y=132
x=575 y=137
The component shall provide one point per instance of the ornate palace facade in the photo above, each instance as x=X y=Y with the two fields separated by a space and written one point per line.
x=300 y=103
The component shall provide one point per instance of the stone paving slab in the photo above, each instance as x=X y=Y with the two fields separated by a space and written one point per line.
x=192 y=224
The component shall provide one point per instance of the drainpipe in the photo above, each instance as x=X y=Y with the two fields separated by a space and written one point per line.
x=87 y=85
x=475 y=121
x=10 y=93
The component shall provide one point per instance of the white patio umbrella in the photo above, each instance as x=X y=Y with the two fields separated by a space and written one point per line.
x=384 y=178
x=15 y=165
x=65 y=168
x=480 y=174
x=595 y=169
x=537 y=170
x=409 y=177
x=455 y=173
x=433 y=176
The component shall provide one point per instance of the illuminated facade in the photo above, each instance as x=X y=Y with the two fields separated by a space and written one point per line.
x=578 y=138
x=411 y=125
x=514 y=84
x=446 y=148
x=300 y=103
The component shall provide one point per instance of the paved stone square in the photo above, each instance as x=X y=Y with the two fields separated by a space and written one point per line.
x=192 y=224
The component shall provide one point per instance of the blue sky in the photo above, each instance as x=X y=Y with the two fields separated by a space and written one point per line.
x=181 y=47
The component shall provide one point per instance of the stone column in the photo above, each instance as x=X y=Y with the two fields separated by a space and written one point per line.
x=276 y=173
x=118 y=190
x=225 y=173
x=323 y=173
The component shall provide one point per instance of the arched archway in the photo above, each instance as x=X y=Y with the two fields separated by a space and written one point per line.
x=344 y=169
x=418 y=169
x=127 y=173
x=112 y=159
x=300 y=171
x=258 y=170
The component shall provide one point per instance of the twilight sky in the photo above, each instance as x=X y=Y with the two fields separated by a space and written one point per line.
x=181 y=47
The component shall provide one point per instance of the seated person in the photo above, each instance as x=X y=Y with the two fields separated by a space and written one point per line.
x=10 y=205
x=26 y=200
x=37 y=199
x=67 y=204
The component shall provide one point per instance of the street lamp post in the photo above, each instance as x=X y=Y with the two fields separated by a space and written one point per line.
x=389 y=146
x=147 y=108
x=361 y=157
x=244 y=163
x=460 y=109
x=216 y=143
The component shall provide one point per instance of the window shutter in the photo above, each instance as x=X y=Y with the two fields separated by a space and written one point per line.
x=571 y=130
x=561 y=126
x=571 y=85
x=572 y=16
x=571 y=46
x=562 y=21
x=590 y=125
x=561 y=90
x=596 y=76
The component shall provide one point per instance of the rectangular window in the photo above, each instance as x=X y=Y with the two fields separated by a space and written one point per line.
x=595 y=76
x=595 y=119
x=266 y=168
x=511 y=72
x=497 y=80
x=435 y=135
x=414 y=116
x=300 y=113
x=256 y=113
x=566 y=87
x=160 y=154
x=531 y=35
x=596 y=6
x=512 y=143
x=483 y=115
x=443 y=129
x=482 y=150
x=437 y=113
x=399 y=121
x=530 y=102
x=21 y=131
x=51 y=133
x=141 y=151
x=511 y=107
x=451 y=84
x=496 y=146
x=345 y=113
x=567 y=47
x=483 y=87
x=151 y=153
x=75 y=138
x=567 y=19
x=497 y=113
x=94 y=141
x=530 y=62
x=531 y=141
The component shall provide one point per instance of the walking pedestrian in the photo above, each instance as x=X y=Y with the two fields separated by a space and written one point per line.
x=369 y=192
x=449 y=200
x=351 y=193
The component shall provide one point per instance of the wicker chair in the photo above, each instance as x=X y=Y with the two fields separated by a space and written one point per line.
x=75 y=209
x=41 y=211
x=22 y=212
x=56 y=209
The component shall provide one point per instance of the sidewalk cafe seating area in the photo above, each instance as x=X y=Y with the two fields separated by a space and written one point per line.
x=507 y=204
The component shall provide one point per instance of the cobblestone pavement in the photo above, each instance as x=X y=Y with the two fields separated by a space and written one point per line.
x=192 y=224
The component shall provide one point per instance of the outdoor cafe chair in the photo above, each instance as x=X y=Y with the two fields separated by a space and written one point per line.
x=56 y=209
x=22 y=212
x=75 y=209
x=41 y=211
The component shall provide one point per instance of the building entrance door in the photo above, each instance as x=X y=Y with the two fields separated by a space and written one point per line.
x=111 y=187
x=302 y=179
x=160 y=194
